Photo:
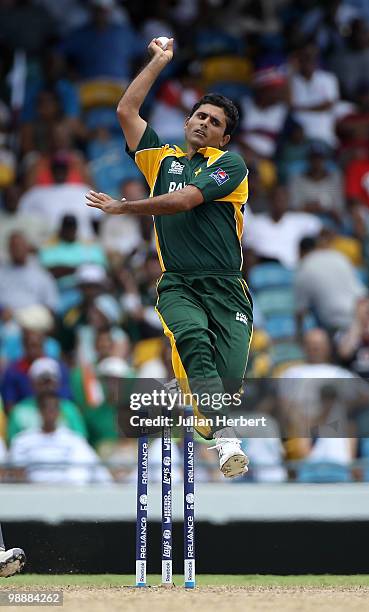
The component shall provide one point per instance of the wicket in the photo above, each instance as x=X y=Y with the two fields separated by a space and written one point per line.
x=166 y=507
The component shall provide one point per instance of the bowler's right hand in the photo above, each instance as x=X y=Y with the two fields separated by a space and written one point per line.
x=155 y=49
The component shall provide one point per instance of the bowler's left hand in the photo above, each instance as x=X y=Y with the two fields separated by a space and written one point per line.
x=104 y=202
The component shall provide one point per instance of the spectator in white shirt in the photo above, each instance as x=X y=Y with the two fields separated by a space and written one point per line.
x=53 y=202
x=318 y=190
x=54 y=454
x=264 y=114
x=326 y=283
x=23 y=282
x=276 y=235
x=314 y=94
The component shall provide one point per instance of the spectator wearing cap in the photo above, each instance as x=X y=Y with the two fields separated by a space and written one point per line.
x=91 y=281
x=35 y=318
x=264 y=114
x=99 y=391
x=104 y=314
x=318 y=191
x=314 y=93
x=54 y=454
x=66 y=199
x=45 y=377
x=23 y=282
x=65 y=253
x=277 y=233
x=326 y=283
x=173 y=104
x=16 y=384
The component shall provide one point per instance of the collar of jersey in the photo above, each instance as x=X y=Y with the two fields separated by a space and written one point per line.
x=204 y=151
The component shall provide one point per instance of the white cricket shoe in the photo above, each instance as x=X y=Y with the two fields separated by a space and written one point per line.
x=232 y=460
x=12 y=561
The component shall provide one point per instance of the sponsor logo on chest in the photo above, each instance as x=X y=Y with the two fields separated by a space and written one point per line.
x=176 y=168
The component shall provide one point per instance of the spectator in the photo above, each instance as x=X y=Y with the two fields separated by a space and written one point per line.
x=325 y=23
x=16 y=384
x=22 y=281
x=318 y=190
x=102 y=48
x=53 y=454
x=122 y=234
x=66 y=253
x=139 y=300
x=38 y=166
x=45 y=376
x=100 y=390
x=36 y=229
x=24 y=25
x=104 y=314
x=92 y=281
x=52 y=77
x=318 y=286
x=351 y=63
x=314 y=93
x=302 y=388
x=353 y=127
x=32 y=318
x=35 y=136
x=174 y=101
x=357 y=177
x=67 y=199
x=276 y=235
x=293 y=153
x=265 y=113
x=353 y=344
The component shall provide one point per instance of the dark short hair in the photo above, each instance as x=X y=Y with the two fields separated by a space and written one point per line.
x=230 y=110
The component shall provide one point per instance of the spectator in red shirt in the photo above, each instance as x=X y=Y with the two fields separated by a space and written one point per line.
x=357 y=178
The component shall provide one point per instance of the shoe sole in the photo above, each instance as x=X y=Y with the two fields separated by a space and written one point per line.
x=235 y=466
x=14 y=564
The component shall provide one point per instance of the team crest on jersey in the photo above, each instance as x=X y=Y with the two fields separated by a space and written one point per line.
x=175 y=168
x=220 y=176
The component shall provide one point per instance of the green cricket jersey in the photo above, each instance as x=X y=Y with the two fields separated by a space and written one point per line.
x=208 y=237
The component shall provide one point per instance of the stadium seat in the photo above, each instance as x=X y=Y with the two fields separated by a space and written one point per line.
x=276 y=301
x=323 y=472
x=267 y=275
x=280 y=326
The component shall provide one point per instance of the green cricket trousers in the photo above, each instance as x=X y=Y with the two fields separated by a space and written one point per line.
x=208 y=320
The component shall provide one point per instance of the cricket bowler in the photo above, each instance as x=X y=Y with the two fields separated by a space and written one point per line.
x=197 y=199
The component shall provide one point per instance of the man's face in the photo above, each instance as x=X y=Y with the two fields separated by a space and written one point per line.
x=45 y=384
x=206 y=127
x=33 y=344
x=18 y=249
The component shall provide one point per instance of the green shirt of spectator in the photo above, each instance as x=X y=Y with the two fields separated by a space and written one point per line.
x=26 y=416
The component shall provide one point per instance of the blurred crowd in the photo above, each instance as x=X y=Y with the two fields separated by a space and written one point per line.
x=78 y=289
